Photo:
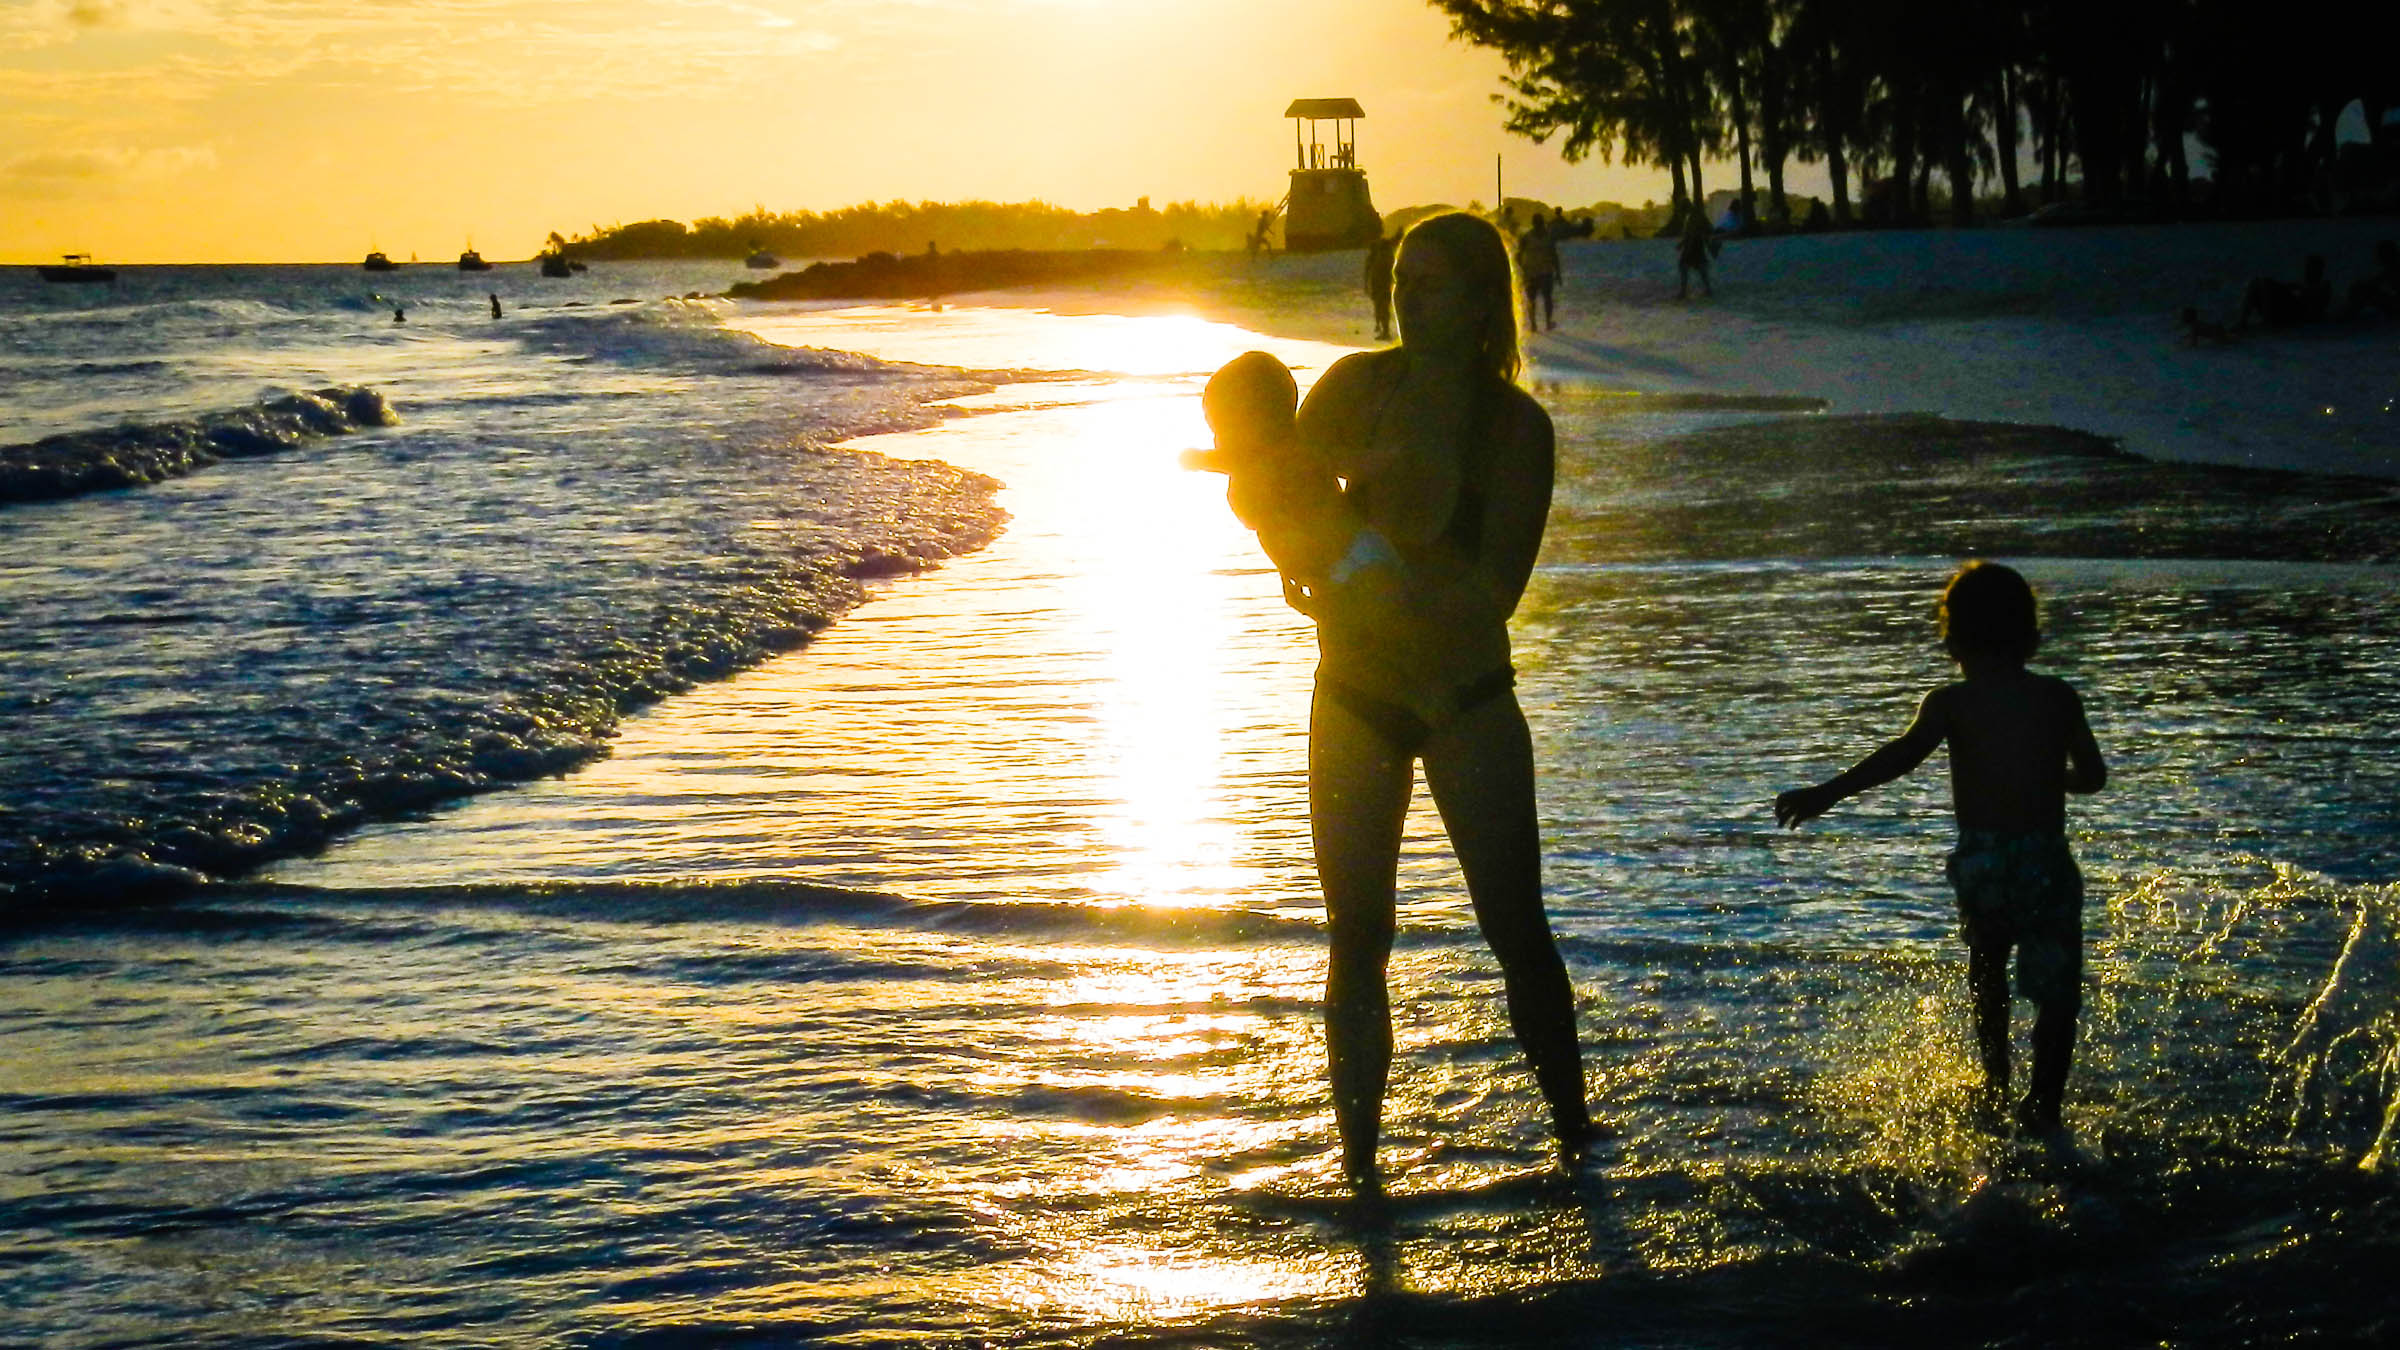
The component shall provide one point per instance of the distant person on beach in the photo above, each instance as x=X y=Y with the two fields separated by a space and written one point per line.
x=1691 y=254
x=2281 y=304
x=1537 y=268
x=2018 y=744
x=1378 y=281
x=1451 y=464
x=2380 y=291
x=1258 y=235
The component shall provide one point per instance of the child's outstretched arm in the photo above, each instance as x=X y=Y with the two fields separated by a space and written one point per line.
x=1890 y=760
x=2086 y=771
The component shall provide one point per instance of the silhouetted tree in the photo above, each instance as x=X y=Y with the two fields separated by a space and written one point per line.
x=2103 y=90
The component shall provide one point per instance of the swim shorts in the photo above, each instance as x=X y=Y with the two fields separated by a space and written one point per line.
x=2022 y=889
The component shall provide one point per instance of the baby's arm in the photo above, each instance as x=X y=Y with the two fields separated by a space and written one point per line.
x=1891 y=760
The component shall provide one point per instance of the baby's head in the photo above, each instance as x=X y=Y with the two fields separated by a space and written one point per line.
x=1249 y=404
x=1987 y=612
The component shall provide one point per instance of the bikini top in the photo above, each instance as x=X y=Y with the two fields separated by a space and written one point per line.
x=1464 y=530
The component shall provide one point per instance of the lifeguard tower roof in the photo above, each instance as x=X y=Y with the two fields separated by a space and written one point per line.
x=1327 y=206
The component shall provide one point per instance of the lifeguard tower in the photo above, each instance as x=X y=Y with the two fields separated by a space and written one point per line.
x=1328 y=206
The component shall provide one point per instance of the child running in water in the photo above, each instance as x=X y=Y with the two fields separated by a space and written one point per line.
x=2018 y=744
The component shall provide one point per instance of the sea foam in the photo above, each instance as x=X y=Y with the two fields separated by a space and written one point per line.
x=138 y=453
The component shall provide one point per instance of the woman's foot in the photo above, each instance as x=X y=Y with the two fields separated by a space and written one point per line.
x=1359 y=1169
x=1575 y=1141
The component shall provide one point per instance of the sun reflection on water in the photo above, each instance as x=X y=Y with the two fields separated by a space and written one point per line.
x=1121 y=1285
x=1106 y=706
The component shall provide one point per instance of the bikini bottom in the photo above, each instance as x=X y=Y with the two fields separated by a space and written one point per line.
x=1399 y=726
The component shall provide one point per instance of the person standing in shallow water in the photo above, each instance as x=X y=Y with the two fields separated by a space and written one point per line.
x=1537 y=266
x=1451 y=463
x=1691 y=253
x=2018 y=744
x=1378 y=281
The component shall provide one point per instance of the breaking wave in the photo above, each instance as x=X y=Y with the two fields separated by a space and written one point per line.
x=137 y=453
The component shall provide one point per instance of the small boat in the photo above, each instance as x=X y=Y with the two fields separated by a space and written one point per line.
x=763 y=261
x=471 y=261
x=377 y=262
x=77 y=268
x=556 y=264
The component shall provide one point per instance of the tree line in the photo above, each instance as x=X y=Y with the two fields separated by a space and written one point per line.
x=909 y=227
x=2095 y=96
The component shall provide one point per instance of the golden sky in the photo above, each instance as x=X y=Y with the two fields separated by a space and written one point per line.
x=274 y=130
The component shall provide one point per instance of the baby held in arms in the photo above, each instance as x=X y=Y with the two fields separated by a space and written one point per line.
x=1277 y=487
x=1336 y=568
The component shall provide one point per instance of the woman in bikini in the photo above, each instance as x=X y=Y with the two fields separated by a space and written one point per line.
x=1451 y=462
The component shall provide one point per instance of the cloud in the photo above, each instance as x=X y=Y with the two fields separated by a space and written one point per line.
x=89 y=170
x=512 y=52
x=38 y=25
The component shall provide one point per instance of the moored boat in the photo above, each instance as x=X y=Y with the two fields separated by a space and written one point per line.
x=471 y=261
x=377 y=262
x=77 y=268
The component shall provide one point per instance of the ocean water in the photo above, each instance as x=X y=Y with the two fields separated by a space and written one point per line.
x=951 y=978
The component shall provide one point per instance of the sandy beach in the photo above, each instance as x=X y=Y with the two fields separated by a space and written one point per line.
x=2067 y=328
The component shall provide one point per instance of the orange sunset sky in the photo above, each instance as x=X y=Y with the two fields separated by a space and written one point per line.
x=270 y=130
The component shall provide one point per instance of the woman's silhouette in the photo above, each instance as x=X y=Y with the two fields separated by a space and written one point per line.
x=1452 y=463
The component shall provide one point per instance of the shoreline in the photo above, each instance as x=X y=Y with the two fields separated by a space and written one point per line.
x=2073 y=330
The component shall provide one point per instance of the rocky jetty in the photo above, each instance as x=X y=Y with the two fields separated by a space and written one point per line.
x=891 y=276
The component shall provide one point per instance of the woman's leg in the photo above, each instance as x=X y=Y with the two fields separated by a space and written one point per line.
x=1358 y=787
x=1481 y=771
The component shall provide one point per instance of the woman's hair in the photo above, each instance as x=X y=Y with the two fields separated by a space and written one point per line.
x=1987 y=610
x=1476 y=247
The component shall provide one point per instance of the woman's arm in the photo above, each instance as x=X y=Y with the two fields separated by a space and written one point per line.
x=1335 y=418
x=1515 y=479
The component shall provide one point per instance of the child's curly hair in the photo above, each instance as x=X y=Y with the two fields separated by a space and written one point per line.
x=1987 y=610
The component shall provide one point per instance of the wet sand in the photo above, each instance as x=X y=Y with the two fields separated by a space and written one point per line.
x=2072 y=329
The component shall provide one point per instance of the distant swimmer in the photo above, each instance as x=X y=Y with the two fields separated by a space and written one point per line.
x=495 y=295
x=2198 y=331
x=2281 y=304
x=399 y=314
